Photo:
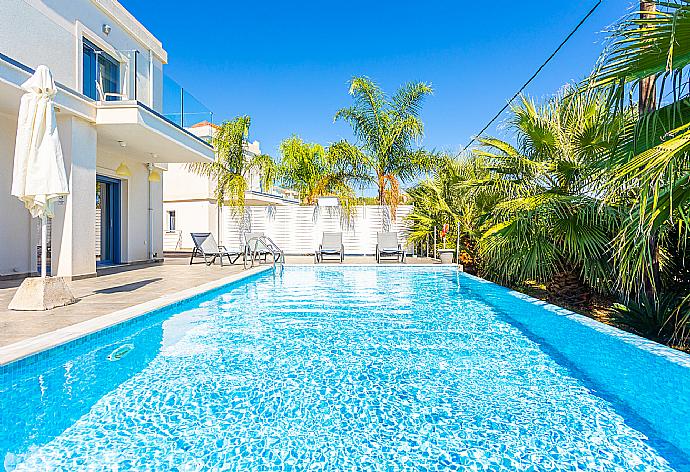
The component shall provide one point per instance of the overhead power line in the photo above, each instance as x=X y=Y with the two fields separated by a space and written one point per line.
x=560 y=46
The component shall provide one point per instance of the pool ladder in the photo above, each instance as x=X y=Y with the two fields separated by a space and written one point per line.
x=260 y=246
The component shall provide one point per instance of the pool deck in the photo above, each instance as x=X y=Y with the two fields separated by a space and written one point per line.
x=107 y=299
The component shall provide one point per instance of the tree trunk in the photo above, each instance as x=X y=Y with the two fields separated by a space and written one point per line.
x=647 y=101
x=567 y=287
x=382 y=189
x=647 y=104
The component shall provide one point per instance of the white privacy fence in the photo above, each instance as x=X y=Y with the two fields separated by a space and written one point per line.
x=299 y=229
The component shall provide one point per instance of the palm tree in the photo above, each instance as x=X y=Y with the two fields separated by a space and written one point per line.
x=388 y=131
x=453 y=195
x=231 y=167
x=552 y=224
x=314 y=171
x=652 y=164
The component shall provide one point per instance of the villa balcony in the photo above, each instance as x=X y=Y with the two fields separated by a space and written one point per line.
x=119 y=116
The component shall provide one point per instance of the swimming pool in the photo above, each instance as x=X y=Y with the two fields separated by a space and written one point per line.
x=350 y=368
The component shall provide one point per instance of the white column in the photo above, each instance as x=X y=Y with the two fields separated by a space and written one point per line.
x=74 y=234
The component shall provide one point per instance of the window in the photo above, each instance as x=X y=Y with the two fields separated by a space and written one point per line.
x=171 y=220
x=99 y=67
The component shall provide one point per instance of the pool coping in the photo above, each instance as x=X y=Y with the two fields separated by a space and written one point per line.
x=43 y=342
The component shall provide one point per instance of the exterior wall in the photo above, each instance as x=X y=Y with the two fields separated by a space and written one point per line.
x=62 y=23
x=198 y=216
x=15 y=223
x=134 y=236
x=181 y=184
x=73 y=229
x=157 y=220
x=50 y=32
x=191 y=196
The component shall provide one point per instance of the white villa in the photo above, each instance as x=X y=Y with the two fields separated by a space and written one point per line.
x=116 y=141
x=190 y=206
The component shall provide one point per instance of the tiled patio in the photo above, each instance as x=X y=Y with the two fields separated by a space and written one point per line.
x=109 y=293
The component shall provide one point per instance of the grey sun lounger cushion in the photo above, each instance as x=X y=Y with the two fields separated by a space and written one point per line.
x=205 y=246
x=331 y=245
x=387 y=245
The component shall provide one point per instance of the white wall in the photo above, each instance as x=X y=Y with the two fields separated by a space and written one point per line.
x=192 y=217
x=74 y=235
x=134 y=206
x=299 y=229
x=15 y=222
x=49 y=32
x=181 y=184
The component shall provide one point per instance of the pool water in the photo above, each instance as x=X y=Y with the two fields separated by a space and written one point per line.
x=336 y=368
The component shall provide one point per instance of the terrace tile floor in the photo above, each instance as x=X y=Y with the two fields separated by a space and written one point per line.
x=106 y=294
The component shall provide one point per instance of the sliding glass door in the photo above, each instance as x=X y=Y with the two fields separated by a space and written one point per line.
x=107 y=220
x=98 y=67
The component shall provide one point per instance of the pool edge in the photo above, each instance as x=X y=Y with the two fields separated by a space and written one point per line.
x=675 y=356
x=43 y=342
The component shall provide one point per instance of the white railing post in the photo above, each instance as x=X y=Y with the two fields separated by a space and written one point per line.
x=434 y=253
x=457 y=244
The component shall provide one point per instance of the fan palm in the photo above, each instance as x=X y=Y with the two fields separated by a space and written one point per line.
x=552 y=218
x=653 y=163
x=232 y=165
x=455 y=196
x=388 y=131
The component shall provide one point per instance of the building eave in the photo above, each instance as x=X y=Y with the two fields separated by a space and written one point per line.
x=129 y=23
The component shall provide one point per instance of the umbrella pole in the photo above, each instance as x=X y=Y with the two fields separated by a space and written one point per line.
x=44 y=245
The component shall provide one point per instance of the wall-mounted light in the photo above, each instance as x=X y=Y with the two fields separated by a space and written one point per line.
x=122 y=143
x=122 y=170
x=106 y=29
x=154 y=175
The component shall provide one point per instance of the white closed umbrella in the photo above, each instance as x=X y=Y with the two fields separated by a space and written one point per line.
x=39 y=170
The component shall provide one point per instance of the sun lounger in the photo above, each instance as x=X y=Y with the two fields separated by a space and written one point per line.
x=205 y=246
x=387 y=245
x=331 y=245
x=253 y=245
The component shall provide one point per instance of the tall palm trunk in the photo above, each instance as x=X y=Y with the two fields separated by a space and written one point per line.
x=647 y=104
x=647 y=85
x=382 y=188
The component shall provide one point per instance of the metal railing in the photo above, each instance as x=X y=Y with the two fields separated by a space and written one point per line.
x=258 y=248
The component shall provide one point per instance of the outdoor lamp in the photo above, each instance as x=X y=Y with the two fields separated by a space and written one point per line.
x=154 y=175
x=122 y=170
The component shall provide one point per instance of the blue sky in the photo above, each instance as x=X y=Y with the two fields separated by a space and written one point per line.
x=287 y=64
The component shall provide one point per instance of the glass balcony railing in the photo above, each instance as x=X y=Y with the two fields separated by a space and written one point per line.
x=111 y=79
x=181 y=107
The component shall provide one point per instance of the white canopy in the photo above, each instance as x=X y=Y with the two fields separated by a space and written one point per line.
x=39 y=170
